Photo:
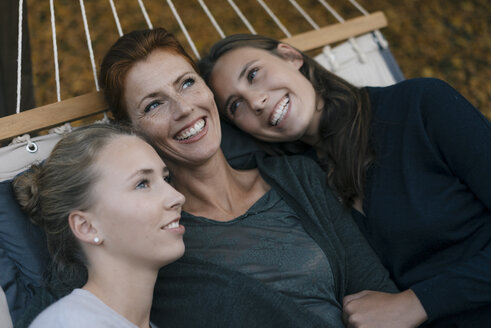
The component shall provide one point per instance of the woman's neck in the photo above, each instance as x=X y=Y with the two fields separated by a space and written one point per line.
x=217 y=191
x=126 y=288
x=311 y=134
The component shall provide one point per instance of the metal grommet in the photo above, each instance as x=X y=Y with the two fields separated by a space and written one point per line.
x=32 y=147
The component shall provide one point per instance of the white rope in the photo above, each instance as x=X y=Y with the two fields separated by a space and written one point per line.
x=55 y=49
x=212 y=19
x=116 y=18
x=62 y=129
x=359 y=7
x=183 y=28
x=331 y=59
x=360 y=53
x=31 y=146
x=89 y=44
x=145 y=14
x=380 y=38
x=304 y=14
x=242 y=17
x=104 y=119
x=21 y=139
x=19 y=56
x=273 y=16
x=332 y=11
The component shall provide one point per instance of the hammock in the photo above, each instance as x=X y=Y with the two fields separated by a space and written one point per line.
x=363 y=58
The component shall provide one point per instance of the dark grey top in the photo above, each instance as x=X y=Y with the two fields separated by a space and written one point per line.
x=268 y=243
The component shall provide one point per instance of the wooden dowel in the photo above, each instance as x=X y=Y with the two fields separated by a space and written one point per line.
x=93 y=103
x=337 y=32
x=51 y=115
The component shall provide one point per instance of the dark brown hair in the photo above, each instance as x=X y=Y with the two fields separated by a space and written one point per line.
x=128 y=50
x=48 y=192
x=344 y=129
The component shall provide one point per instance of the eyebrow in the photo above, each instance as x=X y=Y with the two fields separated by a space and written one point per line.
x=180 y=77
x=150 y=95
x=241 y=75
x=165 y=171
x=246 y=67
x=141 y=172
x=155 y=93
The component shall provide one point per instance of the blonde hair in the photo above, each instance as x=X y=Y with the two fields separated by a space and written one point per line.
x=48 y=192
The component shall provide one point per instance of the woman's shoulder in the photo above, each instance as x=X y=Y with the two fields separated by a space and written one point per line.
x=415 y=86
x=79 y=309
x=57 y=314
x=419 y=98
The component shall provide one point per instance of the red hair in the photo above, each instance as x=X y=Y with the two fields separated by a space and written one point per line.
x=126 y=52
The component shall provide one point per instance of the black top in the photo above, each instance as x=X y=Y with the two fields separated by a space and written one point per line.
x=428 y=195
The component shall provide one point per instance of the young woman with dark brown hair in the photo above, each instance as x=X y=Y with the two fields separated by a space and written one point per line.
x=411 y=159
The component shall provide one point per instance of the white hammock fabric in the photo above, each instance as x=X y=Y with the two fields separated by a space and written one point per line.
x=18 y=156
x=363 y=65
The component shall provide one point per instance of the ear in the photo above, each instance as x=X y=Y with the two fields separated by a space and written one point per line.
x=290 y=54
x=83 y=228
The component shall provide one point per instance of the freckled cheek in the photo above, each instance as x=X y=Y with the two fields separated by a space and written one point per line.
x=156 y=127
x=204 y=96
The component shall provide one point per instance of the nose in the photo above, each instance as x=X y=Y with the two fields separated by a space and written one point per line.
x=173 y=198
x=182 y=108
x=258 y=102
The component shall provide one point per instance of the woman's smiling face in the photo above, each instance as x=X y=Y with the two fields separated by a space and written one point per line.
x=136 y=211
x=266 y=95
x=170 y=103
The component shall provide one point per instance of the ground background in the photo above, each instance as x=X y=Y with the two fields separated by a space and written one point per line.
x=448 y=39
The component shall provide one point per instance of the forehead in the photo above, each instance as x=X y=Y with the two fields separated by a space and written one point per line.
x=126 y=154
x=236 y=58
x=160 y=64
x=229 y=66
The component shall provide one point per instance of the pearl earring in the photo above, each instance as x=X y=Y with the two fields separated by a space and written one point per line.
x=96 y=240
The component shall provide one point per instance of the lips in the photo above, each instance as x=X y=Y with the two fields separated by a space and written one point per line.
x=192 y=132
x=174 y=226
x=280 y=111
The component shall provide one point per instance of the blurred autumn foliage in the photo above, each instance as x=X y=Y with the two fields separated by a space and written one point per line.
x=445 y=39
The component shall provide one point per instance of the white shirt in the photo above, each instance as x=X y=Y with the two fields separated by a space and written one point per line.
x=81 y=309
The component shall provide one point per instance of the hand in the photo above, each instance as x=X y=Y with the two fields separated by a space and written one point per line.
x=376 y=309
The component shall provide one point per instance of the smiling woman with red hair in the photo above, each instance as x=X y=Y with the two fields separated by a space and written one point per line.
x=275 y=230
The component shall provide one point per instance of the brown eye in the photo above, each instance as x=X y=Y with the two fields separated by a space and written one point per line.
x=233 y=106
x=252 y=74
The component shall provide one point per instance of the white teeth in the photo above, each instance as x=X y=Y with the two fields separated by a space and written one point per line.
x=280 y=111
x=172 y=225
x=192 y=131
